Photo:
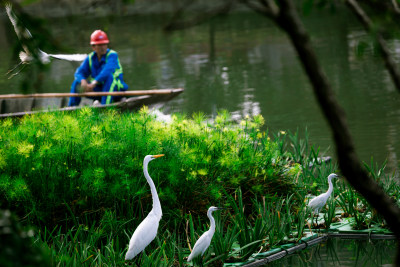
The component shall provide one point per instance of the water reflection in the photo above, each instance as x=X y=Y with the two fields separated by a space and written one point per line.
x=343 y=252
x=244 y=64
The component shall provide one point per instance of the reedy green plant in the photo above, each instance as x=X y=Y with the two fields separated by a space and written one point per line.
x=82 y=247
x=389 y=184
x=281 y=218
x=300 y=151
x=166 y=252
x=355 y=206
x=252 y=232
x=331 y=212
x=106 y=245
x=300 y=218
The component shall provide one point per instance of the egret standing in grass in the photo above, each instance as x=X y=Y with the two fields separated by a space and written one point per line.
x=205 y=239
x=317 y=203
x=147 y=229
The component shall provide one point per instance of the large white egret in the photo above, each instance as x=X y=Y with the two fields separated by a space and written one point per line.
x=25 y=36
x=205 y=239
x=317 y=203
x=147 y=229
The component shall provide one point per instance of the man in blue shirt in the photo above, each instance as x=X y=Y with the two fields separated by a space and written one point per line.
x=101 y=71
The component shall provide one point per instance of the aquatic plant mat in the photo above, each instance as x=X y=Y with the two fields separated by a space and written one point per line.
x=288 y=249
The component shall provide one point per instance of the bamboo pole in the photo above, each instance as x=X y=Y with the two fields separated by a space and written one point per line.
x=123 y=93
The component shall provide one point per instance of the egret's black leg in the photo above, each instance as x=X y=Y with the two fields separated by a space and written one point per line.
x=201 y=261
x=18 y=71
x=8 y=72
x=316 y=221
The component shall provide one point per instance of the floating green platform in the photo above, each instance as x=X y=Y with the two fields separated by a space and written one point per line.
x=342 y=229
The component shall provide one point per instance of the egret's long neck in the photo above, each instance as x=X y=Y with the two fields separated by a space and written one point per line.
x=212 y=222
x=156 y=201
x=330 y=189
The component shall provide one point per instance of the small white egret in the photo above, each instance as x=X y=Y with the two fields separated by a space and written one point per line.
x=147 y=229
x=205 y=239
x=317 y=203
x=25 y=36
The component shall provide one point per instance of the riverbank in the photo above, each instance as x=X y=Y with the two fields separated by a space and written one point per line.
x=54 y=8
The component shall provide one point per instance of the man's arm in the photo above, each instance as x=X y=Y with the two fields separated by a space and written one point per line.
x=82 y=73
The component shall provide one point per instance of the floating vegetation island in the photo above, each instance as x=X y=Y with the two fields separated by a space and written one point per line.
x=77 y=180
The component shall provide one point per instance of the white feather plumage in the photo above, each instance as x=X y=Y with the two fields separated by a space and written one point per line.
x=147 y=229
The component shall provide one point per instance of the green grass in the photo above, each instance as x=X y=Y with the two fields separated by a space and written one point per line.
x=87 y=162
x=77 y=178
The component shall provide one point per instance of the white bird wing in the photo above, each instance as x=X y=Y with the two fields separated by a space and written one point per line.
x=70 y=57
x=201 y=246
x=318 y=202
x=143 y=235
x=22 y=33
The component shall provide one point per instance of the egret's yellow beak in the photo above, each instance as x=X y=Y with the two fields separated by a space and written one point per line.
x=158 y=156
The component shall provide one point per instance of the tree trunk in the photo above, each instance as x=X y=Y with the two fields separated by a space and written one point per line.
x=349 y=163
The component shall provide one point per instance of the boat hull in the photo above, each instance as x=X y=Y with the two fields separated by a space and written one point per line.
x=23 y=106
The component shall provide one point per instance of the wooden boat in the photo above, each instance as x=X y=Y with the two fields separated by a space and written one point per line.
x=14 y=105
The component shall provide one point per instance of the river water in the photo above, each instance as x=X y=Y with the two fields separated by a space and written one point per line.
x=343 y=252
x=245 y=64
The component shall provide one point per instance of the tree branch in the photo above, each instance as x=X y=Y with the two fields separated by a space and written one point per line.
x=264 y=7
x=396 y=6
x=368 y=25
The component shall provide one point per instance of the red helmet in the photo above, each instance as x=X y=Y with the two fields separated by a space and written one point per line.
x=98 y=37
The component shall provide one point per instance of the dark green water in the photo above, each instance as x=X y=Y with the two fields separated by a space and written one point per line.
x=244 y=64
x=342 y=252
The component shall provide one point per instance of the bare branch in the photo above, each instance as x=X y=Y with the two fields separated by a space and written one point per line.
x=274 y=9
x=396 y=6
x=264 y=7
x=368 y=25
x=362 y=16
